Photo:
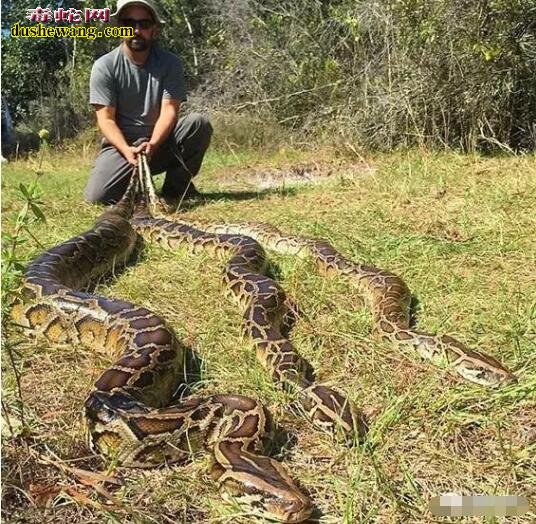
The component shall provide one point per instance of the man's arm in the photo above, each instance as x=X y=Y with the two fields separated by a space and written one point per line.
x=169 y=111
x=166 y=121
x=174 y=93
x=112 y=133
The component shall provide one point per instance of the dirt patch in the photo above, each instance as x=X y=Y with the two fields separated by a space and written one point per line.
x=296 y=174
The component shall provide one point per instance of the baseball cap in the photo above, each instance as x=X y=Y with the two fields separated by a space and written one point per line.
x=149 y=4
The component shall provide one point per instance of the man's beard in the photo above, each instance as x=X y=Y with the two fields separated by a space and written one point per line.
x=138 y=43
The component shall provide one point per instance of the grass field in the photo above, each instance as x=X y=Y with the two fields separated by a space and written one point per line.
x=461 y=231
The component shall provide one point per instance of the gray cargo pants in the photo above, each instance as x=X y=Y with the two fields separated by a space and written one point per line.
x=111 y=173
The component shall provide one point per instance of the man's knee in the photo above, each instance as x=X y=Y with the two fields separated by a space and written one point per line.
x=109 y=177
x=96 y=195
x=102 y=188
x=197 y=124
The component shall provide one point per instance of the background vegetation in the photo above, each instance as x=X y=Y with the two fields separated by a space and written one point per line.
x=378 y=73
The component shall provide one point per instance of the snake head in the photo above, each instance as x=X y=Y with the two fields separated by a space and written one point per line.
x=105 y=409
x=98 y=415
x=272 y=496
x=98 y=409
x=485 y=373
x=296 y=509
x=107 y=423
x=475 y=366
x=289 y=508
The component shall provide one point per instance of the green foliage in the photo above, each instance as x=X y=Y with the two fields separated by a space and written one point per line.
x=385 y=74
x=46 y=79
x=28 y=65
x=14 y=242
x=382 y=73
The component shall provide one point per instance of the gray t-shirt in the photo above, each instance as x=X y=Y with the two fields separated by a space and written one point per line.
x=136 y=91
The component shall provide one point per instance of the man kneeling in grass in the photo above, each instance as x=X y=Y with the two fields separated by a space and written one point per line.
x=137 y=90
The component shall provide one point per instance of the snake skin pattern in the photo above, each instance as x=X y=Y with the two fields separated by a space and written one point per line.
x=268 y=315
x=130 y=413
x=389 y=299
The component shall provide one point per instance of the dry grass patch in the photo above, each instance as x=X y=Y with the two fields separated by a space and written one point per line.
x=261 y=178
x=459 y=229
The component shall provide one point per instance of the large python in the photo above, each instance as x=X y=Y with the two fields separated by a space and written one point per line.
x=128 y=413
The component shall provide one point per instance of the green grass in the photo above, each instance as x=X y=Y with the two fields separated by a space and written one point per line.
x=459 y=229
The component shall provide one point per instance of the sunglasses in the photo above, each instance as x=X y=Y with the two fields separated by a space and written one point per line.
x=144 y=23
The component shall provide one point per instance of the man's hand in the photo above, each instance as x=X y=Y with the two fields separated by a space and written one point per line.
x=145 y=147
x=131 y=156
x=142 y=145
x=109 y=128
